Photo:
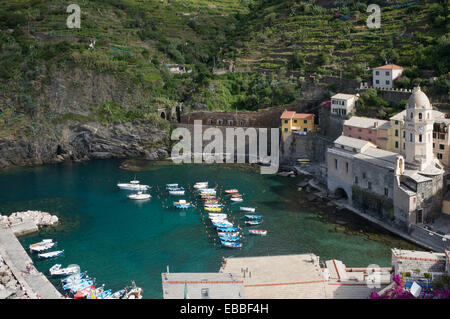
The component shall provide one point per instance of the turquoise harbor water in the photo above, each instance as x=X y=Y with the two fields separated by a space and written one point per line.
x=118 y=240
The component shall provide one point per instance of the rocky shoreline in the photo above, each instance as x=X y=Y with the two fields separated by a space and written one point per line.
x=38 y=217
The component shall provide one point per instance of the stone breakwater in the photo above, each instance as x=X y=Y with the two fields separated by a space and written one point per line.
x=16 y=281
x=40 y=218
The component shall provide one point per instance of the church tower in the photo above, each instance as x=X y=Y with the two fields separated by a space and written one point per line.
x=418 y=130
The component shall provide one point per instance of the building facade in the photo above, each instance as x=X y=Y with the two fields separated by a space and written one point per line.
x=384 y=76
x=343 y=104
x=299 y=123
x=369 y=129
x=408 y=189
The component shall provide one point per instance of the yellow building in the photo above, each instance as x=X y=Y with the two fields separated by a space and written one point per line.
x=300 y=123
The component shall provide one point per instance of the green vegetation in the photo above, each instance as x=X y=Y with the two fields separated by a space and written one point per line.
x=266 y=40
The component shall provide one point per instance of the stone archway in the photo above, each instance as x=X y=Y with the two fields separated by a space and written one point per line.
x=341 y=193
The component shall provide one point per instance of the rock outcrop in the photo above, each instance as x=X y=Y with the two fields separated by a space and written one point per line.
x=80 y=142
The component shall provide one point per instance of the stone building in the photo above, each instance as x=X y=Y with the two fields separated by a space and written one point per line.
x=408 y=189
x=418 y=263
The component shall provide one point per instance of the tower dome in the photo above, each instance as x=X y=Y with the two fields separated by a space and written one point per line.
x=418 y=100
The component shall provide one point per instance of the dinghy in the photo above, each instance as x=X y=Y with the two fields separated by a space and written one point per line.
x=248 y=209
x=213 y=209
x=182 y=204
x=226 y=234
x=236 y=199
x=253 y=217
x=200 y=185
x=229 y=238
x=227 y=229
x=258 y=232
x=253 y=222
x=117 y=294
x=212 y=215
x=95 y=292
x=231 y=191
x=73 y=278
x=133 y=185
x=84 y=292
x=139 y=195
x=105 y=294
x=176 y=192
x=236 y=195
x=231 y=244
x=42 y=246
x=56 y=270
x=80 y=284
x=51 y=254
x=223 y=225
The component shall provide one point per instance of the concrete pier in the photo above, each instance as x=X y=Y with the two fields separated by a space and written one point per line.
x=35 y=284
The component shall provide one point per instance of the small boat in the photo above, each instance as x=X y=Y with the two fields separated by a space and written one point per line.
x=176 y=192
x=139 y=195
x=248 y=209
x=95 y=292
x=42 y=246
x=230 y=238
x=223 y=225
x=79 y=286
x=182 y=204
x=231 y=244
x=105 y=294
x=253 y=216
x=226 y=234
x=84 y=292
x=134 y=293
x=214 y=205
x=227 y=229
x=200 y=185
x=133 y=185
x=56 y=270
x=51 y=254
x=207 y=191
x=236 y=195
x=212 y=215
x=73 y=278
x=236 y=199
x=117 y=294
x=258 y=232
x=254 y=222
x=174 y=185
x=213 y=209
x=208 y=197
x=231 y=191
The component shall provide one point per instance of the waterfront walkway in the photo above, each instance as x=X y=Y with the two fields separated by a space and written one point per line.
x=35 y=284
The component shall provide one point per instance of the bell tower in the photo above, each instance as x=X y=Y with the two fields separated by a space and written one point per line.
x=419 y=130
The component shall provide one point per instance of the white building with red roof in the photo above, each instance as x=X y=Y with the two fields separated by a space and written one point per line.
x=384 y=76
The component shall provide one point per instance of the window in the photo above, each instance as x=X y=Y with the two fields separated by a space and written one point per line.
x=410 y=137
x=396 y=144
x=335 y=163
x=356 y=179
x=403 y=145
x=411 y=115
x=434 y=135
x=404 y=134
x=387 y=72
x=434 y=145
x=346 y=167
x=377 y=81
x=396 y=122
x=305 y=121
x=442 y=136
x=396 y=132
x=420 y=116
x=305 y=130
x=295 y=121
x=286 y=121
x=349 y=128
x=364 y=175
x=369 y=185
x=285 y=129
x=377 y=72
x=441 y=146
x=386 y=191
x=439 y=155
x=387 y=82
x=420 y=138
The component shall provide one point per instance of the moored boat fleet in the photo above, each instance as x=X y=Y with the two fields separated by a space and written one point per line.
x=76 y=284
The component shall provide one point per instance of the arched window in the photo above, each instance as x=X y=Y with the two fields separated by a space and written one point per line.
x=420 y=137
x=411 y=115
x=420 y=116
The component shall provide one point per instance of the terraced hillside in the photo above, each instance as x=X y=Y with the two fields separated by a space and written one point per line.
x=332 y=38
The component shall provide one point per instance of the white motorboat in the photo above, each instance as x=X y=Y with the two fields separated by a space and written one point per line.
x=56 y=270
x=42 y=246
x=176 y=192
x=237 y=199
x=248 y=209
x=133 y=185
x=51 y=254
x=139 y=195
x=201 y=185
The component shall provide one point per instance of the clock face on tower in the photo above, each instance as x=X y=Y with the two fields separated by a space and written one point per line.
x=420 y=129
